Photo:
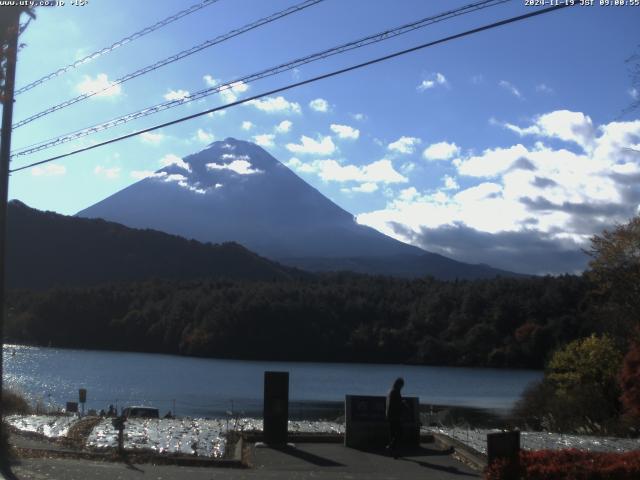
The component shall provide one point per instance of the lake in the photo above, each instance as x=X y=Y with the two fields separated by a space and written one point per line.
x=210 y=387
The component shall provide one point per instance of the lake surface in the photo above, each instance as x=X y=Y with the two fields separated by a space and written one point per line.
x=210 y=387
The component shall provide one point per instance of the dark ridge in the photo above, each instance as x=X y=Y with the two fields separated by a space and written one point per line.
x=47 y=249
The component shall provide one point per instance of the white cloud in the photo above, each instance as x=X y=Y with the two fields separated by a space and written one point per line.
x=296 y=164
x=307 y=145
x=217 y=113
x=368 y=187
x=491 y=162
x=141 y=174
x=151 y=137
x=176 y=95
x=108 y=173
x=528 y=205
x=246 y=125
x=407 y=167
x=172 y=159
x=204 y=136
x=561 y=124
x=510 y=88
x=210 y=81
x=89 y=85
x=48 y=170
x=319 y=105
x=174 y=177
x=381 y=171
x=231 y=92
x=284 y=126
x=544 y=88
x=359 y=117
x=440 y=151
x=345 y=131
x=264 y=140
x=408 y=193
x=275 y=105
x=239 y=166
x=437 y=79
x=633 y=93
x=450 y=183
x=405 y=145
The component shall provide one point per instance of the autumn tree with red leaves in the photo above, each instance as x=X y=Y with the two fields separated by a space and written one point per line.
x=615 y=270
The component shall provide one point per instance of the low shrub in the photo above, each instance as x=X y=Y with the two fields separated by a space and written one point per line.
x=14 y=403
x=568 y=464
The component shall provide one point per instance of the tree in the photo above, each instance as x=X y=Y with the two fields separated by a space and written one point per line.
x=630 y=381
x=615 y=269
x=579 y=391
x=593 y=361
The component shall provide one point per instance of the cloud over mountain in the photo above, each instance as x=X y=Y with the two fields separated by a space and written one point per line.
x=575 y=180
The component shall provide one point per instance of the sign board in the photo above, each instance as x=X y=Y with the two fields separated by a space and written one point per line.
x=276 y=407
x=82 y=395
x=366 y=424
x=504 y=445
x=368 y=409
x=72 y=407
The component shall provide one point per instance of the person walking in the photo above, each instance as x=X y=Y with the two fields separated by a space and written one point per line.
x=394 y=416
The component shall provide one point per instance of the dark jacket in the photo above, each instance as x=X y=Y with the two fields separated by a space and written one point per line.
x=394 y=406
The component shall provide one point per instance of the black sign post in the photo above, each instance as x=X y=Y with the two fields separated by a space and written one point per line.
x=276 y=407
x=505 y=446
x=82 y=398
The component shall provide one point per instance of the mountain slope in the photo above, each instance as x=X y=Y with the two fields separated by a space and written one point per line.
x=235 y=191
x=47 y=249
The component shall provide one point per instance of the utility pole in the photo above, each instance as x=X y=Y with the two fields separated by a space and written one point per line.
x=5 y=153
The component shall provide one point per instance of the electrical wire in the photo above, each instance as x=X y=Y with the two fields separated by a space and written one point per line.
x=173 y=58
x=304 y=82
x=371 y=39
x=118 y=44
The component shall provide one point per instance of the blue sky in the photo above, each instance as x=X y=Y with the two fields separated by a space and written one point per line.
x=506 y=147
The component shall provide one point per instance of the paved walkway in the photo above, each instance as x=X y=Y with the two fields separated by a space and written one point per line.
x=306 y=461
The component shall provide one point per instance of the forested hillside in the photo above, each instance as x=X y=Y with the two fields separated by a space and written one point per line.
x=46 y=249
x=335 y=317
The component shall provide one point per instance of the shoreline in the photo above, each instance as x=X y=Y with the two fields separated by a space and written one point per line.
x=9 y=344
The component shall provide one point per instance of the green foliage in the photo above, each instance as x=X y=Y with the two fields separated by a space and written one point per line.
x=85 y=252
x=593 y=361
x=14 y=403
x=579 y=391
x=333 y=317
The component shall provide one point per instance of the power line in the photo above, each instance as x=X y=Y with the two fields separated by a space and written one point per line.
x=371 y=39
x=172 y=59
x=117 y=44
x=304 y=82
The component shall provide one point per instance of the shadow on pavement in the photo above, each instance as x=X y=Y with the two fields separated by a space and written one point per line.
x=441 y=468
x=308 y=457
x=418 y=451
x=130 y=466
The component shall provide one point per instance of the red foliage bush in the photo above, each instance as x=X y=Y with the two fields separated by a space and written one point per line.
x=568 y=465
x=630 y=381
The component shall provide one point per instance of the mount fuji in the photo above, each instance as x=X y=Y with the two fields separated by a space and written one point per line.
x=235 y=191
